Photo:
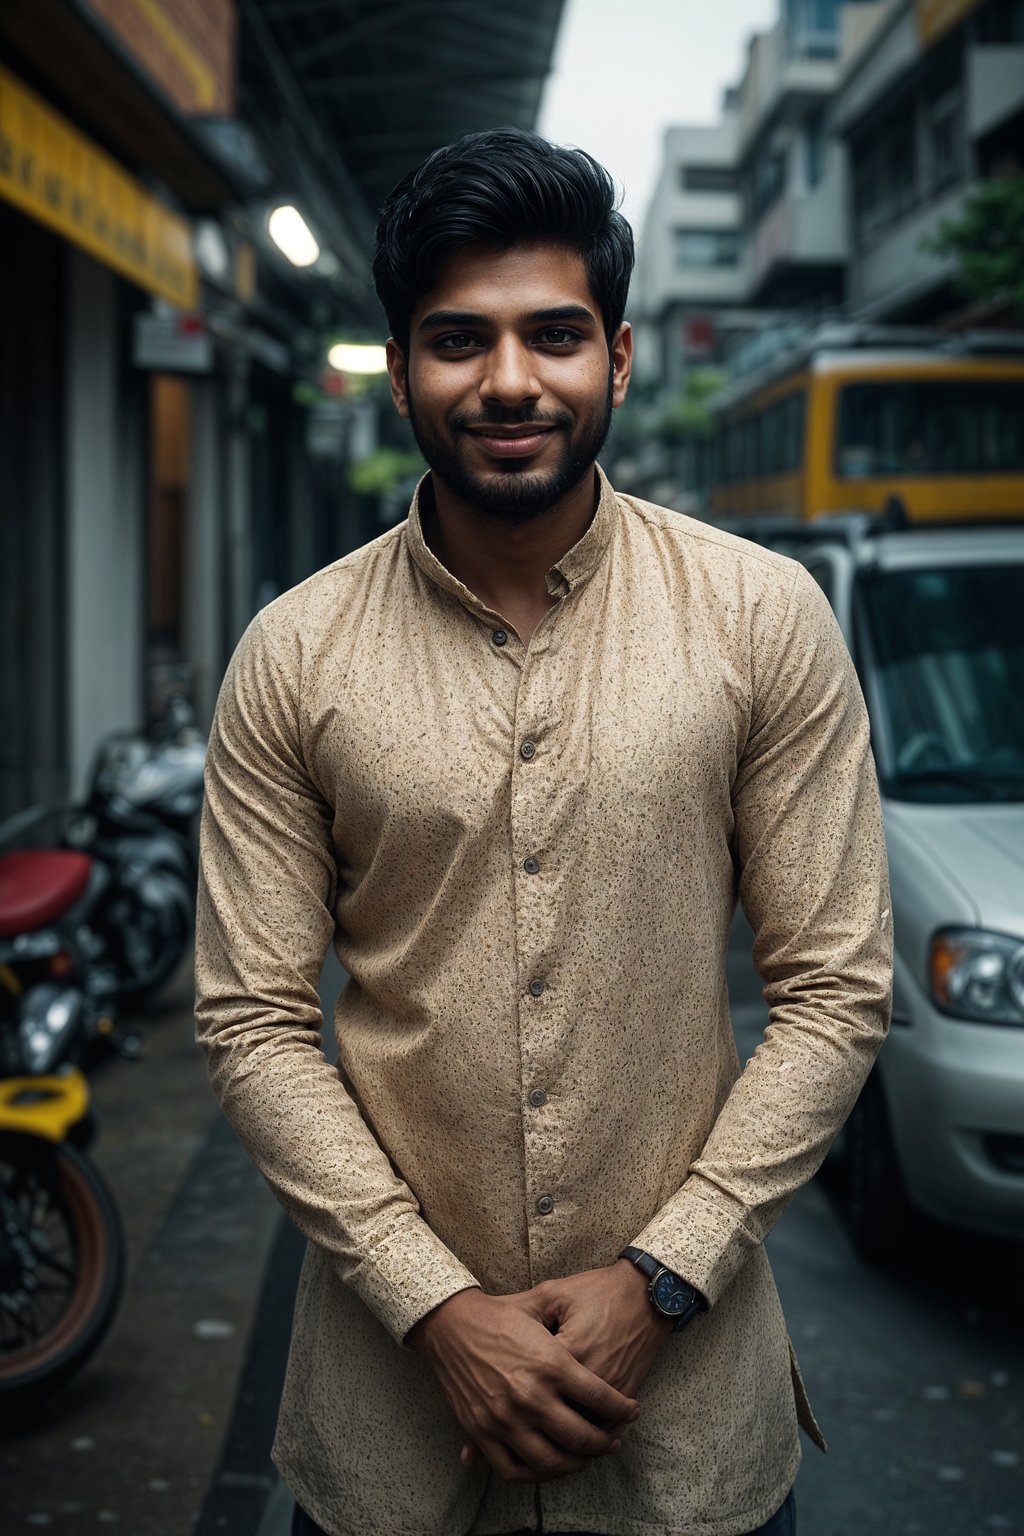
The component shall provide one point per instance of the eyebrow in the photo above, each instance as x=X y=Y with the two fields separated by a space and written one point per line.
x=463 y=317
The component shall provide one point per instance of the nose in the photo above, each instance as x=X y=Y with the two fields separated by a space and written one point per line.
x=509 y=376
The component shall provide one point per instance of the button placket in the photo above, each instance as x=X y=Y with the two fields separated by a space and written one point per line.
x=535 y=747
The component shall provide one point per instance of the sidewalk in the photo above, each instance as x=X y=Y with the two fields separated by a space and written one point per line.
x=133 y=1441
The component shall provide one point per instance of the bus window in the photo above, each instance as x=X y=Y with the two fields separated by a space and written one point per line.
x=930 y=428
x=793 y=451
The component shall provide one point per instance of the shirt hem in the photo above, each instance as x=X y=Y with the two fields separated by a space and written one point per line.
x=611 y=1525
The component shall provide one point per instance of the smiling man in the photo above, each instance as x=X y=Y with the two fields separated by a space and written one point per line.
x=517 y=759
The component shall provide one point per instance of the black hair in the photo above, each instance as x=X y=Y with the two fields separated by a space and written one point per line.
x=500 y=188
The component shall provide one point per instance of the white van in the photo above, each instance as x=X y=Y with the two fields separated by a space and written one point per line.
x=934 y=618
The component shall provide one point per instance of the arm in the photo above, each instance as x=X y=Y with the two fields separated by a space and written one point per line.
x=267 y=886
x=264 y=922
x=810 y=849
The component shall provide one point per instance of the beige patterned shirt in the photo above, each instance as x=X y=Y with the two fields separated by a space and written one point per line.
x=527 y=858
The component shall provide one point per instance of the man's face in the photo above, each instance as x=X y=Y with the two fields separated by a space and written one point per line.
x=508 y=383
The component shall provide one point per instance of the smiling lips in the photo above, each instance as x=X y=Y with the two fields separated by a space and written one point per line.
x=511 y=442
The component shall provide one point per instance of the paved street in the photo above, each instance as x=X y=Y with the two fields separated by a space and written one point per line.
x=917 y=1376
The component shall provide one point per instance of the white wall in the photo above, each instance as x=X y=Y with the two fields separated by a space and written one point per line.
x=106 y=521
x=204 y=547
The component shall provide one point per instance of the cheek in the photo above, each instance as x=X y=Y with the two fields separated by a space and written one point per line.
x=439 y=388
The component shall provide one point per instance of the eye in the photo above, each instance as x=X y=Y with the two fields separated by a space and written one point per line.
x=559 y=336
x=457 y=341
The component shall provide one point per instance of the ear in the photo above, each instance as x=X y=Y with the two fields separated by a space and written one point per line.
x=396 y=373
x=622 y=362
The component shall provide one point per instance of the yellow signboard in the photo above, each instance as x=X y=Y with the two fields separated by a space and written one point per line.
x=56 y=174
x=936 y=17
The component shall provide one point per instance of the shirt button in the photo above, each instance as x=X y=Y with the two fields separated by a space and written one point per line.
x=531 y=865
x=537 y=1098
x=528 y=750
x=500 y=637
x=536 y=988
x=545 y=1205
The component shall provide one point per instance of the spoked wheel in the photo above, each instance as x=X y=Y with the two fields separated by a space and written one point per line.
x=61 y=1266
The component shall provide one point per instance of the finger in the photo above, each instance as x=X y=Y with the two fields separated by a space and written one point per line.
x=469 y=1454
x=602 y=1401
x=513 y=1467
x=544 y=1459
x=575 y=1434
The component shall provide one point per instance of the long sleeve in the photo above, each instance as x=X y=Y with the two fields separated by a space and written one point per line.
x=266 y=893
x=810 y=849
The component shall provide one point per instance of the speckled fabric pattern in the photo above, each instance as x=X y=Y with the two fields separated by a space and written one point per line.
x=528 y=859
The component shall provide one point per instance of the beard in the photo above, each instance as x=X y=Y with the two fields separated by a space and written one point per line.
x=514 y=494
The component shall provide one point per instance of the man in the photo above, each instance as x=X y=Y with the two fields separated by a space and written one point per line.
x=516 y=758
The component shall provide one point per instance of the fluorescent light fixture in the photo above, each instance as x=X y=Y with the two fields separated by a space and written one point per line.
x=292 y=235
x=357 y=357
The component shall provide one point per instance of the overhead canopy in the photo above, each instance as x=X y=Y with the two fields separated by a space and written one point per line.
x=387 y=81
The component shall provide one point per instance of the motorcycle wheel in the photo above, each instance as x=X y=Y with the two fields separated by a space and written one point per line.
x=150 y=941
x=61 y=1266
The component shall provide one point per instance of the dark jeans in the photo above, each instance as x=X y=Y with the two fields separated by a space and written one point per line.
x=782 y=1523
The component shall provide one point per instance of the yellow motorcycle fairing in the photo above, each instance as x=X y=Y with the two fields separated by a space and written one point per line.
x=43 y=1106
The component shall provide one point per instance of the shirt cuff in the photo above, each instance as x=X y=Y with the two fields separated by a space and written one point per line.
x=407 y=1274
x=696 y=1237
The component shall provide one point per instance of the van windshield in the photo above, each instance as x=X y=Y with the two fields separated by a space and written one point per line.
x=946 y=658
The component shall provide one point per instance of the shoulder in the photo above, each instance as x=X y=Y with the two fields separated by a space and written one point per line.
x=314 y=603
x=317 y=616
x=731 y=563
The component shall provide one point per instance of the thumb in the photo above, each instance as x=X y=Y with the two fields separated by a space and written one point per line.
x=536 y=1303
x=468 y=1454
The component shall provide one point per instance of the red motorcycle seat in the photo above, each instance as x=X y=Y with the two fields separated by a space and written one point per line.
x=38 y=885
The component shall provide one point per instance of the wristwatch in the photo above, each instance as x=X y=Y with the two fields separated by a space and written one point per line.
x=670 y=1295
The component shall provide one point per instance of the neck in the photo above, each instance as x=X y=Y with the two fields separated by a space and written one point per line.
x=503 y=565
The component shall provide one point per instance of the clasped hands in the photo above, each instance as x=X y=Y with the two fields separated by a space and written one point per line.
x=543 y=1381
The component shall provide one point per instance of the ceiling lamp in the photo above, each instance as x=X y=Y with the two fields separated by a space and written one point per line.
x=358 y=357
x=292 y=235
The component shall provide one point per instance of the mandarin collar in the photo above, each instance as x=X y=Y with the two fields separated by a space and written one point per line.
x=575 y=567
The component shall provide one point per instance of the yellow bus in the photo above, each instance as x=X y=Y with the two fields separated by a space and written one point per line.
x=861 y=415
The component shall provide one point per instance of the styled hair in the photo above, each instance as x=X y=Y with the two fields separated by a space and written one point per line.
x=500 y=188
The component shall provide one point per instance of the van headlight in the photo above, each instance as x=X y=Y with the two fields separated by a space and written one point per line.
x=978 y=975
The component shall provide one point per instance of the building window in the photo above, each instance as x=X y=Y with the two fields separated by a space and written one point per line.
x=812 y=28
x=706 y=247
x=707 y=178
x=765 y=179
x=886 y=182
x=1001 y=22
x=814 y=144
x=944 y=137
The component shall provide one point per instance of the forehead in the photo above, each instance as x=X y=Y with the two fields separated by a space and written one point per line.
x=506 y=283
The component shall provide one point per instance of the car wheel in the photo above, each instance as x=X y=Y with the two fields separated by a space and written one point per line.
x=877 y=1207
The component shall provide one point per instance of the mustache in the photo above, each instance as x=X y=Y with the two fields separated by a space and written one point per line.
x=498 y=416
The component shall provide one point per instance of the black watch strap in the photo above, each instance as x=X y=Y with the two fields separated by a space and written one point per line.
x=653 y=1268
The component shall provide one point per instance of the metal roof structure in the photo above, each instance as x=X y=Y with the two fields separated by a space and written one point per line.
x=351 y=94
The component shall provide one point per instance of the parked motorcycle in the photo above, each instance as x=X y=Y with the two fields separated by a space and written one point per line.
x=61 y=1247
x=57 y=986
x=140 y=823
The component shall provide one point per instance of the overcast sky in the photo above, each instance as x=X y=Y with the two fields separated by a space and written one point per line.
x=625 y=69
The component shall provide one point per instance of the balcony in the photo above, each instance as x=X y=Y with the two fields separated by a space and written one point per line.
x=798 y=250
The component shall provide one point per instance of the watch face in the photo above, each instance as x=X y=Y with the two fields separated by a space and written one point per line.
x=671 y=1295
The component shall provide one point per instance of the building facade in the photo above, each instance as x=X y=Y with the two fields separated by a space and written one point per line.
x=931 y=103
x=854 y=131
